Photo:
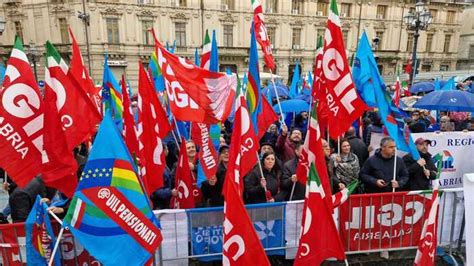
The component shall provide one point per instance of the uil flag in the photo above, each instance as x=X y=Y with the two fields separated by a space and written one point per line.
x=79 y=73
x=213 y=92
x=110 y=214
x=79 y=115
x=129 y=128
x=60 y=170
x=214 y=59
x=40 y=237
x=21 y=120
x=261 y=34
x=241 y=243
x=153 y=126
x=206 y=52
x=344 y=104
x=319 y=236
x=183 y=181
x=362 y=74
x=112 y=94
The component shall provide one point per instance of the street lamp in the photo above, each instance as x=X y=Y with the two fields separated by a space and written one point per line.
x=418 y=21
x=33 y=54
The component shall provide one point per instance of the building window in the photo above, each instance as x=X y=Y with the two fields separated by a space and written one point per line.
x=271 y=6
x=450 y=16
x=379 y=35
x=345 y=10
x=426 y=68
x=112 y=30
x=63 y=30
x=19 y=30
x=182 y=3
x=444 y=68
x=381 y=12
x=271 y=31
x=447 y=43
x=297 y=7
x=410 y=42
x=147 y=25
x=322 y=9
x=429 y=42
x=296 y=38
x=228 y=35
x=345 y=33
x=180 y=33
x=434 y=14
x=227 y=4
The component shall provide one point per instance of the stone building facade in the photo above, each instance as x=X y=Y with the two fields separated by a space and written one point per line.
x=119 y=28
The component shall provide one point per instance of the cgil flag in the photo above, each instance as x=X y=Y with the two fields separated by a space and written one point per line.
x=40 y=237
x=262 y=35
x=129 y=127
x=110 y=214
x=183 y=182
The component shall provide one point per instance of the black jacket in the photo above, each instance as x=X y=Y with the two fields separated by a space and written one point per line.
x=418 y=180
x=378 y=167
x=359 y=148
x=161 y=197
x=21 y=200
x=213 y=194
x=254 y=192
x=289 y=169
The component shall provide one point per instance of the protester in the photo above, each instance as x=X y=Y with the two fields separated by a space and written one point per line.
x=271 y=135
x=378 y=171
x=422 y=170
x=266 y=189
x=358 y=147
x=289 y=178
x=446 y=124
x=286 y=144
x=212 y=188
x=345 y=167
x=417 y=124
x=161 y=198
x=327 y=154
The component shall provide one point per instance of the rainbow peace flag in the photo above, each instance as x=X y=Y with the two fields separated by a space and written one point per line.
x=110 y=214
x=253 y=84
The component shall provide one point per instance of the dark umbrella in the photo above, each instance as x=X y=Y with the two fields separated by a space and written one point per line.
x=292 y=106
x=452 y=100
x=281 y=89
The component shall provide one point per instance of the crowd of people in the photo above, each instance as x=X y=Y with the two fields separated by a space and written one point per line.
x=274 y=177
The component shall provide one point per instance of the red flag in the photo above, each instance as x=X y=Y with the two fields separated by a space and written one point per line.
x=398 y=91
x=426 y=252
x=244 y=144
x=212 y=92
x=319 y=90
x=266 y=117
x=183 y=181
x=77 y=113
x=207 y=151
x=319 y=237
x=408 y=68
x=60 y=170
x=262 y=35
x=79 y=73
x=152 y=128
x=344 y=104
x=21 y=120
x=241 y=243
x=129 y=128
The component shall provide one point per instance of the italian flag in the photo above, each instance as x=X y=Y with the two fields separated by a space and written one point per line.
x=341 y=196
x=76 y=212
x=206 y=52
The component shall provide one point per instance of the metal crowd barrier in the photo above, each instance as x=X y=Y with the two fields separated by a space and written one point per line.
x=196 y=234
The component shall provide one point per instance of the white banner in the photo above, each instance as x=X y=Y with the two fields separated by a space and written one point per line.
x=469 y=206
x=174 y=228
x=458 y=151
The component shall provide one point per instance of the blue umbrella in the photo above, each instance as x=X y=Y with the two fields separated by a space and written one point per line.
x=281 y=89
x=425 y=86
x=292 y=106
x=304 y=97
x=453 y=100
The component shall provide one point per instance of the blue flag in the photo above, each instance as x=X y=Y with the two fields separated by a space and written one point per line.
x=362 y=74
x=197 y=59
x=2 y=73
x=112 y=94
x=391 y=116
x=294 y=82
x=40 y=237
x=110 y=214
x=214 y=61
x=450 y=85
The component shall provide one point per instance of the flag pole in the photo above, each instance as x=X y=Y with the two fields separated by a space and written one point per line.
x=260 y=168
x=292 y=191
x=282 y=120
x=56 y=246
x=395 y=169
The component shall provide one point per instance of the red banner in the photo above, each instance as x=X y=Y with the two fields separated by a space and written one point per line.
x=371 y=221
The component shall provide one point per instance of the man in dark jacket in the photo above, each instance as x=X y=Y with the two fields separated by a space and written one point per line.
x=358 y=147
x=377 y=172
x=285 y=145
x=289 y=178
x=22 y=199
x=420 y=171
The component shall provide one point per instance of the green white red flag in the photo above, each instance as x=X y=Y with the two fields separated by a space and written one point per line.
x=341 y=196
x=319 y=236
x=262 y=35
x=344 y=104
x=206 y=52
x=21 y=120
